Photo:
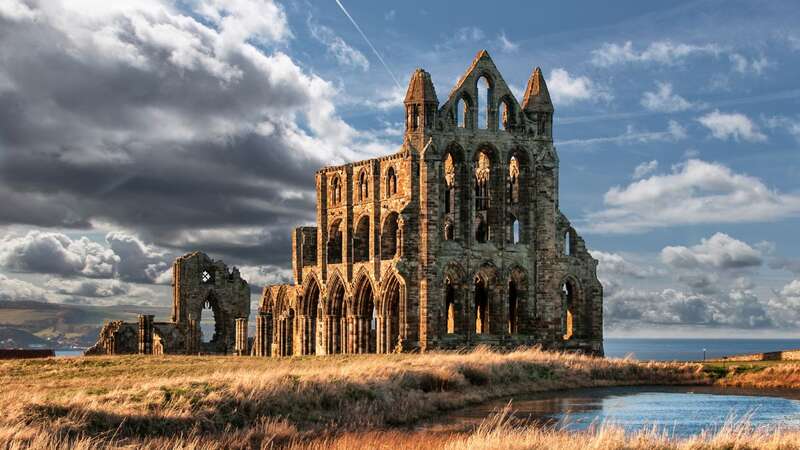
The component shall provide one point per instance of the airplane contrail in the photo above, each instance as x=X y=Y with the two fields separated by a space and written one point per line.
x=374 y=50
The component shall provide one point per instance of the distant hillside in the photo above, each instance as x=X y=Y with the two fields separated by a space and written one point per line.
x=33 y=324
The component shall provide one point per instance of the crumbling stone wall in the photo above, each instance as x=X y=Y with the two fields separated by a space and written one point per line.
x=453 y=241
x=201 y=286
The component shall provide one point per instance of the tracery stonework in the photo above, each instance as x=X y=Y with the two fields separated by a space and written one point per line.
x=453 y=241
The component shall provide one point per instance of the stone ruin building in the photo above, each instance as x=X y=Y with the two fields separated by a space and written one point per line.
x=455 y=240
x=200 y=285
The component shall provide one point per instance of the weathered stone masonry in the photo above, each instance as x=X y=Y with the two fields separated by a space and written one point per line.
x=455 y=240
x=200 y=285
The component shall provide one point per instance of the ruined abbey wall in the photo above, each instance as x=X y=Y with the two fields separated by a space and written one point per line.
x=201 y=286
x=455 y=240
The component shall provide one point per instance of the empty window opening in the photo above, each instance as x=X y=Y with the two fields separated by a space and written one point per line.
x=336 y=191
x=462 y=111
x=567 y=294
x=481 y=231
x=512 y=307
x=505 y=113
x=450 y=307
x=448 y=232
x=483 y=170
x=484 y=100
x=513 y=180
x=334 y=244
x=361 y=241
x=389 y=237
x=391 y=182
x=363 y=186
x=206 y=277
x=481 y=307
x=568 y=244
x=514 y=230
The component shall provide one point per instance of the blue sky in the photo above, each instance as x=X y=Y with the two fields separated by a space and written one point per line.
x=197 y=125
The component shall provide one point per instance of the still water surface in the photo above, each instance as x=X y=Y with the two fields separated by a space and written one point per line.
x=679 y=411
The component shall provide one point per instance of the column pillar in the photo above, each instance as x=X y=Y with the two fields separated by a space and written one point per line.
x=240 y=345
x=145 y=334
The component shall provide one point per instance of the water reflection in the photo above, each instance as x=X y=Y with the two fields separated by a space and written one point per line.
x=679 y=411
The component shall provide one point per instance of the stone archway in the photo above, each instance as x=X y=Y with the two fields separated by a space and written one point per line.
x=212 y=339
x=334 y=321
x=308 y=319
x=389 y=332
x=364 y=320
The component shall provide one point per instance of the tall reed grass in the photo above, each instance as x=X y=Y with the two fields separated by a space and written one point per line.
x=219 y=402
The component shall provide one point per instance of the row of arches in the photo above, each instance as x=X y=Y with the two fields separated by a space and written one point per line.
x=482 y=110
x=482 y=305
x=367 y=322
x=368 y=319
x=363 y=186
x=390 y=239
x=479 y=184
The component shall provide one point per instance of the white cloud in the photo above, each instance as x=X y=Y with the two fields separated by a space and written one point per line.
x=645 y=168
x=792 y=125
x=753 y=66
x=468 y=34
x=664 y=100
x=674 y=132
x=566 y=89
x=259 y=276
x=138 y=261
x=720 y=251
x=12 y=289
x=695 y=192
x=16 y=11
x=88 y=288
x=616 y=264
x=733 y=309
x=506 y=45
x=734 y=126
x=660 y=52
x=337 y=47
x=56 y=253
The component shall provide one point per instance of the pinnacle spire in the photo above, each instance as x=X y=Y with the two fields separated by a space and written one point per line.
x=420 y=88
x=537 y=97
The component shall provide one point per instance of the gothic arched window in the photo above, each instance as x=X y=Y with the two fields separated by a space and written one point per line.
x=482 y=173
x=363 y=186
x=513 y=180
x=391 y=182
x=336 y=191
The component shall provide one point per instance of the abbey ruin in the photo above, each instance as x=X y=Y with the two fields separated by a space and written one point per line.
x=198 y=284
x=455 y=240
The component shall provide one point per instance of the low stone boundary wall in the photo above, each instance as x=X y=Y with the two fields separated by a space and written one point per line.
x=26 y=353
x=786 y=355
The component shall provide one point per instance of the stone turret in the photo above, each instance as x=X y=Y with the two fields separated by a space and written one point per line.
x=537 y=104
x=421 y=105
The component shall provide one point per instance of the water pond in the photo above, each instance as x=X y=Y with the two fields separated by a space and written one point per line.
x=680 y=411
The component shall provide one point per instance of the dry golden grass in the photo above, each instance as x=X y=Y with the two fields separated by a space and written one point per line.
x=760 y=376
x=347 y=401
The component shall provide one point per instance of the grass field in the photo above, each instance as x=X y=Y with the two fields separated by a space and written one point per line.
x=309 y=402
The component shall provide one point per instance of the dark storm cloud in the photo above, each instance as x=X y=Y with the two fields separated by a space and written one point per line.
x=145 y=118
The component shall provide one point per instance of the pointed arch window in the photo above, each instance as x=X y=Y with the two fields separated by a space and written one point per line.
x=482 y=174
x=391 y=182
x=462 y=110
x=513 y=180
x=363 y=186
x=484 y=107
x=336 y=191
x=505 y=114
